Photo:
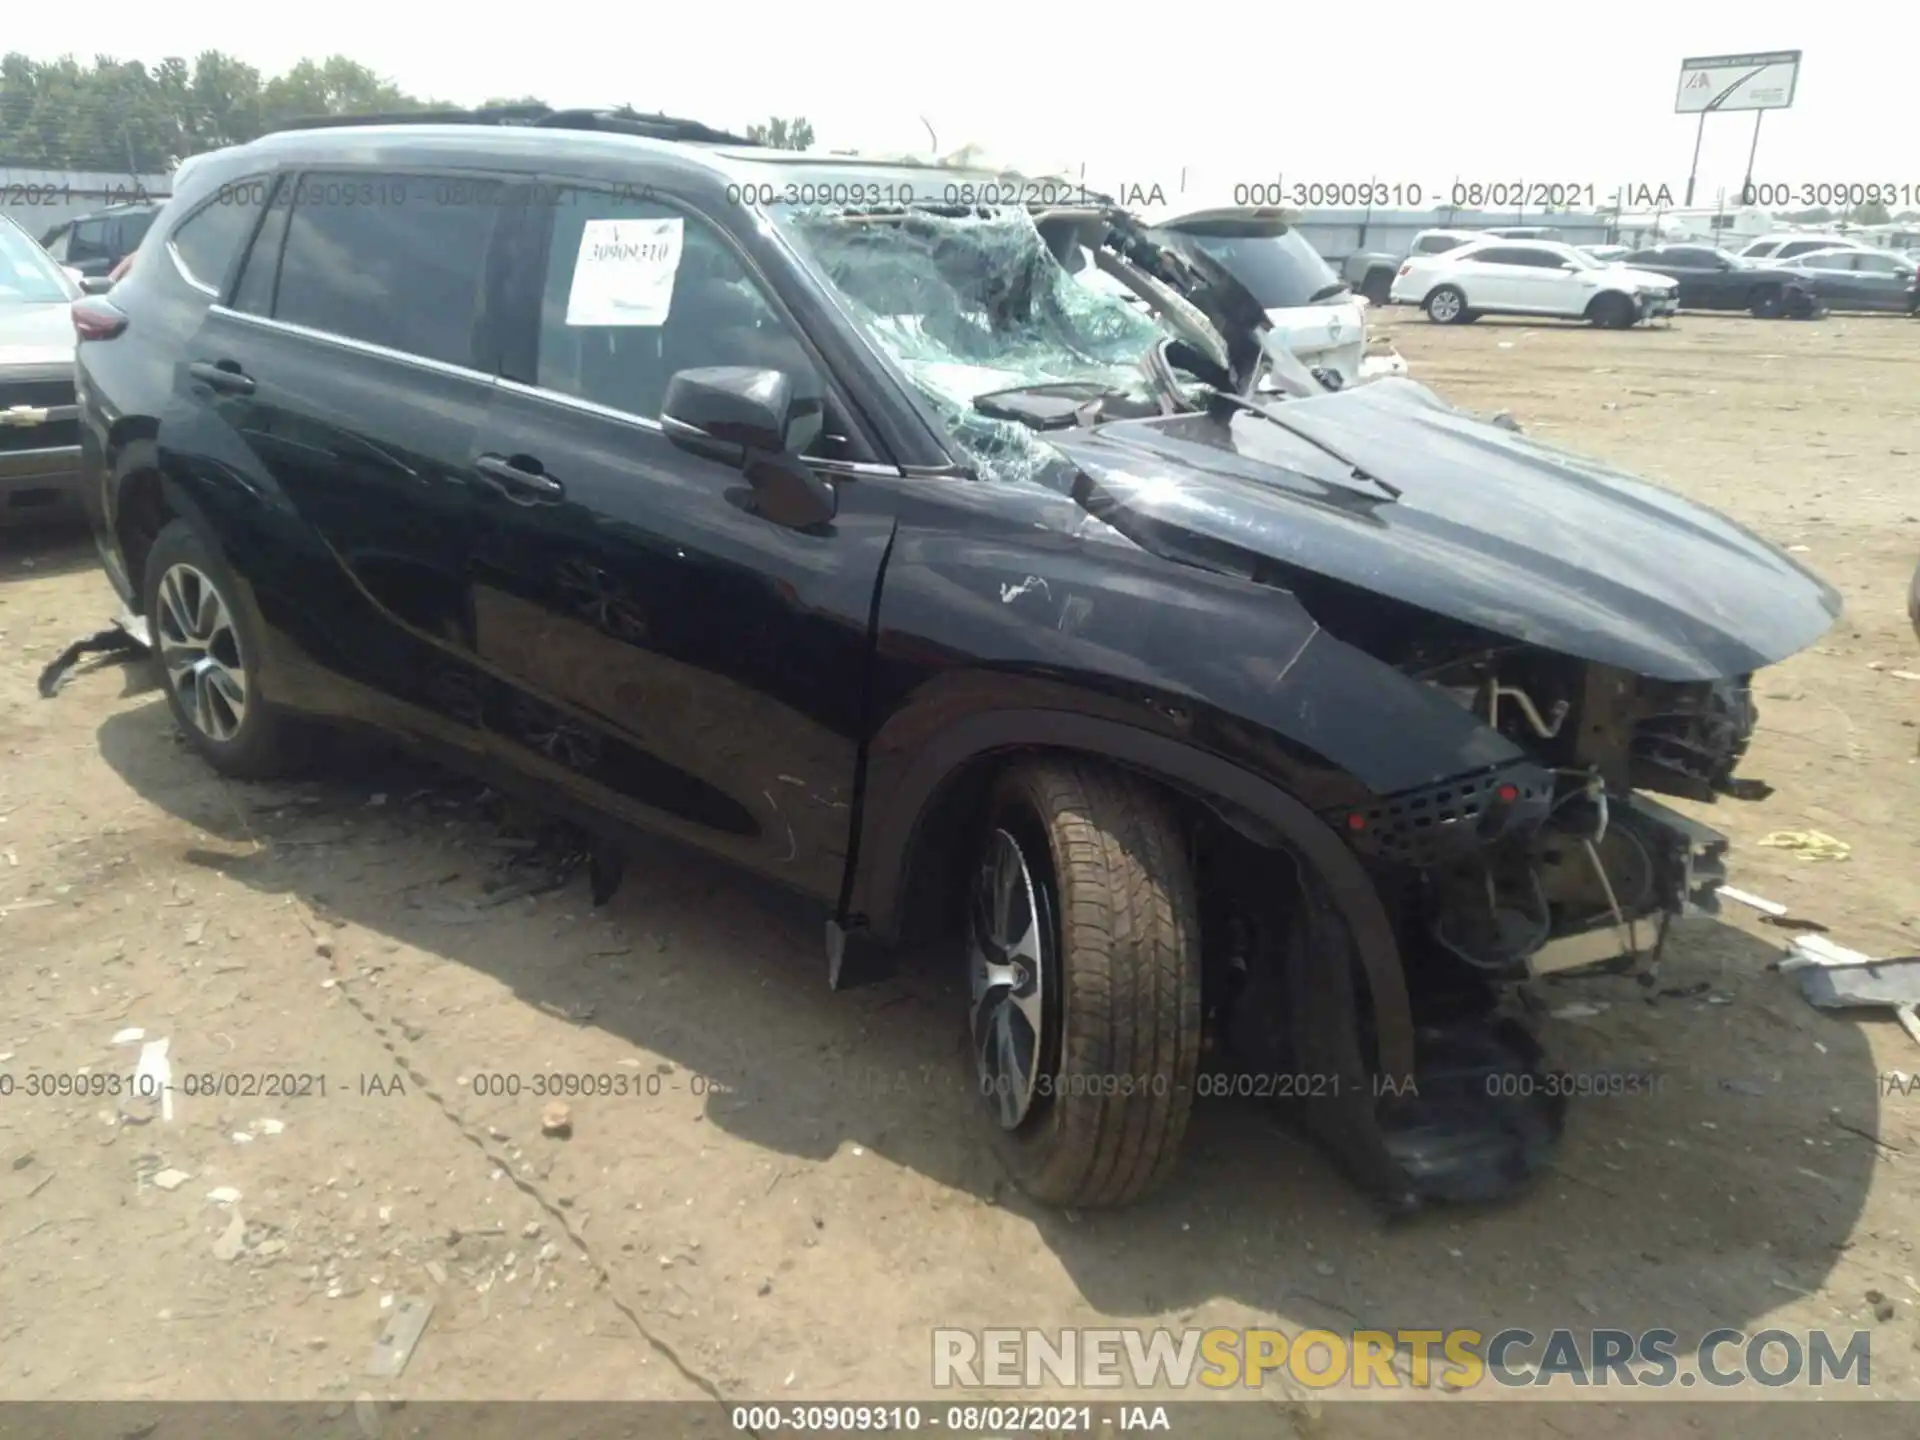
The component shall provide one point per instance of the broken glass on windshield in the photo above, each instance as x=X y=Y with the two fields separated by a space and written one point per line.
x=976 y=305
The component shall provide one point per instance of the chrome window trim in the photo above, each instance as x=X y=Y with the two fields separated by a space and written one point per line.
x=851 y=469
x=180 y=264
x=347 y=342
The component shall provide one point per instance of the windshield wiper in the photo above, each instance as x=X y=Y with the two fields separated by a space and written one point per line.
x=1393 y=492
x=1328 y=291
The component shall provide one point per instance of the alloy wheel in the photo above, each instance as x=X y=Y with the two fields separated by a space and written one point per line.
x=200 y=648
x=1444 y=306
x=1007 y=969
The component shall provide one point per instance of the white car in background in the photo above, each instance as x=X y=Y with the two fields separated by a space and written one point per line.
x=1531 y=277
x=1791 y=244
x=1312 y=310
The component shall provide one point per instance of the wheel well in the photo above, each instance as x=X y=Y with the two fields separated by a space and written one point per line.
x=142 y=515
x=1605 y=297
x=933 y=890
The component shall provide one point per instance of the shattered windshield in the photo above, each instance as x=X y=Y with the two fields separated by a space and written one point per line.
x=973 y=305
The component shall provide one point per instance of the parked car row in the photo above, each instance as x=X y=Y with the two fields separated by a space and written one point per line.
x=1459 y=275
x=1838 y=277
x=1215 y=716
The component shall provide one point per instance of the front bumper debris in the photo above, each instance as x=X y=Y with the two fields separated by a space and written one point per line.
x=128 y=633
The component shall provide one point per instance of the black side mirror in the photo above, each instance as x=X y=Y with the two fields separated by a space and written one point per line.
x=95 y=284
x=750 y=417
x=731 y=404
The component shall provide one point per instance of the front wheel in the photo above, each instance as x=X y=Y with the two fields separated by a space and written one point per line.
x=1613 y=312
x=209 y=649
x=1084 y=971
x=1446 y=305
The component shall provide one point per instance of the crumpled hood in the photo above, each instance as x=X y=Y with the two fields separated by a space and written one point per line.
x=36 y=334
x=1491 y=528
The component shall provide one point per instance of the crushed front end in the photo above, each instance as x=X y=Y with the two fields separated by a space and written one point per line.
x=1560 y=862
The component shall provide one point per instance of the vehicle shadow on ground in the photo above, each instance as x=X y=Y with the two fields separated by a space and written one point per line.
x=1708 y=1198
x=41 y=549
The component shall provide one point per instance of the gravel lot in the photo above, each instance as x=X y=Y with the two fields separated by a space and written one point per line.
x=798 y=1191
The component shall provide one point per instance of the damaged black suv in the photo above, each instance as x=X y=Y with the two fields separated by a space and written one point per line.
x=821 y=512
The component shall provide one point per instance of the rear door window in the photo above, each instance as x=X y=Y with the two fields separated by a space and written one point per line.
x=373 y=257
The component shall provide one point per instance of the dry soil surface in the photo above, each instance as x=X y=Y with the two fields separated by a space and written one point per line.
x=796 y=1188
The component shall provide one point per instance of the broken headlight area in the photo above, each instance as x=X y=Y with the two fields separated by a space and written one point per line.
x=1558 y=862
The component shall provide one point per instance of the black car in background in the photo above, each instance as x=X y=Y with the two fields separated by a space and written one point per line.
x=1852 y=278
x=1712 y=279
x=1836 y=277
x=94 y=244
x=808 y=511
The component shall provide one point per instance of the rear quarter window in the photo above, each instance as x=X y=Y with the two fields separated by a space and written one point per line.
x=208 y=241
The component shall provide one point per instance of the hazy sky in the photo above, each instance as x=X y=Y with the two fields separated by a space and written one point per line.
x=1411 y=93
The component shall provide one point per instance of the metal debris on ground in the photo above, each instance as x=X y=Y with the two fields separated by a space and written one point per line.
x=1889 y=984
x=1816 y=950
x=153 y=1076
x=1756 y=902
x=233 y=1239
x=405 y=1324
x=1808 y=844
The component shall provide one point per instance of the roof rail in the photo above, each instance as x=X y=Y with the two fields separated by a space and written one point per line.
x=621 y=121
x=497 y=115
x=627 y=121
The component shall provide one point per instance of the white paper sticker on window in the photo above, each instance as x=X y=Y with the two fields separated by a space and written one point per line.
x=624 y=272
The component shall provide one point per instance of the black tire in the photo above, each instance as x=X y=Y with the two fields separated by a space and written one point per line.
x=1378 y=287
x=258 y=742
x=1765 y=302
x=1117 y=923
x=1445 y=304
x=1612 y=312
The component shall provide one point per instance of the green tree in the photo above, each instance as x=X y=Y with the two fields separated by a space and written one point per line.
x=782 y=134
x=124 y=116
x=1871 y=213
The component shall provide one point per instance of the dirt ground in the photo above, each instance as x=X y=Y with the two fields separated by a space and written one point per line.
x=798 y=1190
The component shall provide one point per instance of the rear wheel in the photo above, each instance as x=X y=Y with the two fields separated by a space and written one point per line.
x=1084 y=971
x=208 y=647
x=1378 y=287
x=1446 y=305
x=1764 y=303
